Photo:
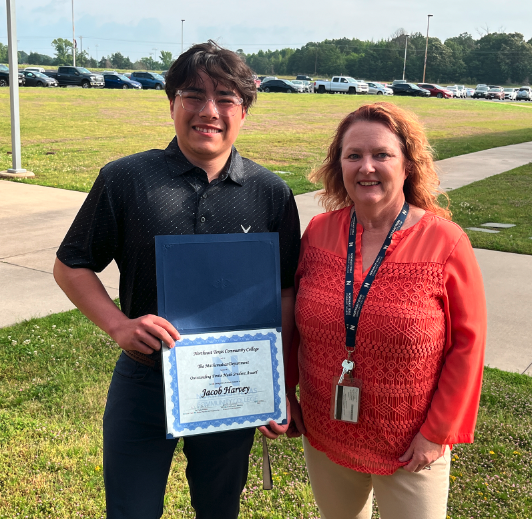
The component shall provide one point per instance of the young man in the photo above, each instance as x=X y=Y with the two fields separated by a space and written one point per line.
x=198 y=185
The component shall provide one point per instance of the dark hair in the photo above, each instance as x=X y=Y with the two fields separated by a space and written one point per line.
x=421 y=187
x=221 y=65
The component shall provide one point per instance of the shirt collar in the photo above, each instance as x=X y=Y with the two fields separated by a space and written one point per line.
x=178 y=164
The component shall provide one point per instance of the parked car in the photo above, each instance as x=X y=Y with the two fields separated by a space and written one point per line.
x=302 y=77
x=379 y=89
x=510 y=93
x=462 y=90
x=149 y=79
x=267 y=78
x=454 y=90
x=4 y=77
x=309 y=85
x=279 y=85
x=524 y=94
x=436 y=90
x=495 y=93
x=255 y=79
x=115 y=80
x=470 y=91
x=301 y=83
x=409 y=89
x=35 y=69
x=481 y=92
x=398 y=82
x=341 y=84
x=76 y=76
x=38 y=79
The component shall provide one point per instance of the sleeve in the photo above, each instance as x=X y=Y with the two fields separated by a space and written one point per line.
x=292 y=366
x=453 y=411
x=91 y=241
x=289 y=242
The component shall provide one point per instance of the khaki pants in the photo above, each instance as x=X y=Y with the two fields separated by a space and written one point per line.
x=342 y=493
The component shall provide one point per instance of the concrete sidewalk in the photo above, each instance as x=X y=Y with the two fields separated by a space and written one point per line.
x=34 y=220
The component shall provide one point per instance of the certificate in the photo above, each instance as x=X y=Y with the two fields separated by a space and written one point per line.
x=222 y=381
x=222 y=292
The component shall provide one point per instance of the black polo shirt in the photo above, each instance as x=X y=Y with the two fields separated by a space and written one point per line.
x=159 y=192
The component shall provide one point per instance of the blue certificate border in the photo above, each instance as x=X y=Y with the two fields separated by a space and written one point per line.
x=205 y=424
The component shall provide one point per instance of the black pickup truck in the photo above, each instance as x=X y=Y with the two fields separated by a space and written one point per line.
x=76 y=76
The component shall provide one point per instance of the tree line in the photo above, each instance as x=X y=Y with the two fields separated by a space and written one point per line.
x=63 y=56
x=501 y=58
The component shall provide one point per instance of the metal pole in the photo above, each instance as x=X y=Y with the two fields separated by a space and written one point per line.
x=73 y=38
x=426 y=47
x=81 y=54
x=12 y=51
x=182 y=48
x=406 y=45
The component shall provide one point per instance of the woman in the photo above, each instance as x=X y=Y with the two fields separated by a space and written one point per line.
x=416 y=353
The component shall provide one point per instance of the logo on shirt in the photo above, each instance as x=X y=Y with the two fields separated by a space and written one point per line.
x=244 y=229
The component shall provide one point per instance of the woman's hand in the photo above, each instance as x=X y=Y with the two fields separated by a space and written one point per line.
x=296 y=427
x=421 y=453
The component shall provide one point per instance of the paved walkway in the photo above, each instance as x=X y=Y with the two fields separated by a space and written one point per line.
x=34 y=219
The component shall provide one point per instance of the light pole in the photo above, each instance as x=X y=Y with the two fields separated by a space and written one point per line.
x=406 y=45
x=12 y=52
x=182 y=22
x=426 y=47
x=73 y=38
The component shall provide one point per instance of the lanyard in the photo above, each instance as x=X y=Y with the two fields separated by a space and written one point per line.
x=352 y=316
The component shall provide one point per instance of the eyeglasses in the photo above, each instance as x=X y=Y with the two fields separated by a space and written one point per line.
x=195 y=102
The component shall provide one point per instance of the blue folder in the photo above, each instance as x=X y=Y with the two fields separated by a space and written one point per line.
x=219 y=282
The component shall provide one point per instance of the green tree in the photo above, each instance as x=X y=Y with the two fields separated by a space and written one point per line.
x=119 y=61
x=3 y=53
x=34 y=58
x=150 y=63
x=63 y=51
x=166 y=59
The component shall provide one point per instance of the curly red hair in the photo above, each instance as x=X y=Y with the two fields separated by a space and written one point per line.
x=421 y=187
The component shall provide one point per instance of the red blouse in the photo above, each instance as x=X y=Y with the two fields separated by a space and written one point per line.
x=419 y=345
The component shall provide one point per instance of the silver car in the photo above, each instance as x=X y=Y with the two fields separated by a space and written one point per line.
x=300 y=83
x=524 y=94
x=379 y=89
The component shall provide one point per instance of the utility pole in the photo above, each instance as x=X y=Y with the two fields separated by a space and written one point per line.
x=406 y=45
x=12 y=50
x=73 y=38
x=81 y=54
x=96 y=54
x=426 y=47
x=182 y=22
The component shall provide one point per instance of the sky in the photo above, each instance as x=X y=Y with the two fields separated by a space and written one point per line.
x=140 y=28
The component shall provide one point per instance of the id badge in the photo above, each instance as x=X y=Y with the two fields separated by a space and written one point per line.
x=345 y=399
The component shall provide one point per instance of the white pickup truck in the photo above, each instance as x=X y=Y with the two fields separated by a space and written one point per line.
x=342 y=84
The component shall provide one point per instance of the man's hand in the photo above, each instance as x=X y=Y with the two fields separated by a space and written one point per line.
x=144 y=334
x=274 y=430
x=296 y=425
x=421 y=453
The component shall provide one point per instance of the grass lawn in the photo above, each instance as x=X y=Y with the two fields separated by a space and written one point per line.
x=68 y=134
x=54 y=374
x=504 y=198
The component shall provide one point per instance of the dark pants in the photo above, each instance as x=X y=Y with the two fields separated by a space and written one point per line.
x=137 y=455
